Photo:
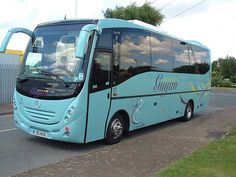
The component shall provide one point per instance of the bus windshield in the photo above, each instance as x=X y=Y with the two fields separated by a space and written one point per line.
x=51 y=52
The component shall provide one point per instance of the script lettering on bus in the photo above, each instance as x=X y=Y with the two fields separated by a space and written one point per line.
x=164 y=84
x=37 y=92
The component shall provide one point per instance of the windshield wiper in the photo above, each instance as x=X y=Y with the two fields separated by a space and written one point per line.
x=47 y=73
x=24 y=79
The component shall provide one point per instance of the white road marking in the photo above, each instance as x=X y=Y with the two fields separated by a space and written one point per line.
x=8 y=130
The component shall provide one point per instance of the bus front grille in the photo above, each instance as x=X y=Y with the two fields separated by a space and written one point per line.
x=40 y=116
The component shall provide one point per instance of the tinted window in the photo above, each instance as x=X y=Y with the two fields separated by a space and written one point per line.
x=135 y=50
x=101 y=71
x=162 y=59
x=201 y=59
x=131 y=53
x=105 y=39
x=181 y=57
x=205 y=64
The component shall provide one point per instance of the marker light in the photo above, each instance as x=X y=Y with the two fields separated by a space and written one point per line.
x=67 y=130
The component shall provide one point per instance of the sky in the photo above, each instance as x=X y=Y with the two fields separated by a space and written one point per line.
x=212 y=22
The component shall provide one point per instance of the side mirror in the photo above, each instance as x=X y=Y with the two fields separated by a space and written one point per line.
x=84 y=35
x=9 y=35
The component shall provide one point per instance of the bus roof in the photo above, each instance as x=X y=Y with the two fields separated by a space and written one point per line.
x=67 y=22
x=118 y=23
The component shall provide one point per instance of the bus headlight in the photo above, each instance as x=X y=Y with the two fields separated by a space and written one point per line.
x=14 y=104
x=67 y=118
x=69 y=113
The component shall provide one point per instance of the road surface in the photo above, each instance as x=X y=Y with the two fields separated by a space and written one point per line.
x=21 y=152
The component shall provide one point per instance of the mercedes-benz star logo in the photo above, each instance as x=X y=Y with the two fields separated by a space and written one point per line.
x=37 y=104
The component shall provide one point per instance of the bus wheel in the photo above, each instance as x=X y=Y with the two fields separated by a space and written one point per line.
x=115 y=129
x=188 y=113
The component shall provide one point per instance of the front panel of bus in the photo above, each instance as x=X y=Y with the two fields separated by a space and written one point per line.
x=50 y=100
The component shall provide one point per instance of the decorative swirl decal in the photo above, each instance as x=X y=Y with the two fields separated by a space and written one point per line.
x=201 y=99
x=182 y=100
x=138 y=106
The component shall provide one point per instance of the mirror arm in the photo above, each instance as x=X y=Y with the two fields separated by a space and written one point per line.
x=9 y=35
x=83 y=39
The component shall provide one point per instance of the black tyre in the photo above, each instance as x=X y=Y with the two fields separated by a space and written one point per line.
x=115 y=129
x=188 y=113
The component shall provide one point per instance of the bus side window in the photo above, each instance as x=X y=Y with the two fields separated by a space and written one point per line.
x=201 y=59
x=131 y=54
x=181 y=55
x=105 y=40
x=101 y=71
x=162 y=56
x=205 y=62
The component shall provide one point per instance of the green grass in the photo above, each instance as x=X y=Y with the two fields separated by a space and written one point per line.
x=217 y=159
x=224 y=89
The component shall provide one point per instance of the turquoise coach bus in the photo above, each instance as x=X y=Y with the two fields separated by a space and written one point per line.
x=87 y=80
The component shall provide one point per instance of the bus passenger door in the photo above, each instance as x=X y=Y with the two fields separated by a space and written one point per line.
x=99 y=96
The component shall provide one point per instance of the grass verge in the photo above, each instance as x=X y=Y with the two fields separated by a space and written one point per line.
x=217 y=159
x=229 y=89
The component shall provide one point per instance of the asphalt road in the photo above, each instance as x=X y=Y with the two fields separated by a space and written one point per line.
x=20 y=152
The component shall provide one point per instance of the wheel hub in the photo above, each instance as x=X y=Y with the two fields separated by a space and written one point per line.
x=189 y=112
x=116 y=128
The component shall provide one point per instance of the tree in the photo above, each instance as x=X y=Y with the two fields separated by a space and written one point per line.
x=227 y=66
x=145 y=13
x=224 y=71
x=215 y=66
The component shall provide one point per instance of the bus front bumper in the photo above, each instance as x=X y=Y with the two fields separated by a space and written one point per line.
x=72 y=132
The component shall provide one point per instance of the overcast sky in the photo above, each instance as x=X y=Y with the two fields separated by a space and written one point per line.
x=212 y=23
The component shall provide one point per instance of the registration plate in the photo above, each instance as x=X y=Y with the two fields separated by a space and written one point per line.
x=40 y=133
